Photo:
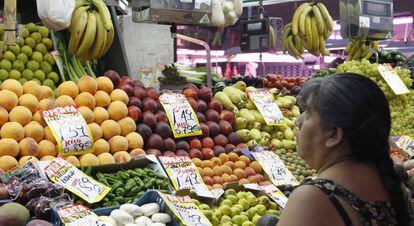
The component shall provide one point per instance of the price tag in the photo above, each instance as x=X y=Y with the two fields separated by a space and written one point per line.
x=267 y=106
x=62 y=172
x=183 y=119
x=184 y=175
x=69 y=129
x=275 y=168
x=275 y=194
x=78 y=215
x=217 y=192
x=406 y=143
x=392 y=79
x=184 y=208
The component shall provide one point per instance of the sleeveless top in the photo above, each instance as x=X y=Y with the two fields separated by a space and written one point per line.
x=378 y=213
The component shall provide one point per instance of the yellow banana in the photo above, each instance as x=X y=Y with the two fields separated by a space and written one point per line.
x=295 y=19
x=315 y=36
x=77 y=33
x=327 y=33
x=105 y=14
x=350 y=45
x=358 y=54
x=319 y=20
x=298 y=43
x=368 y=55
x=354 y=49
x=88 y=37
x=302 y=18
x=374 y=45
x=322 y=46
x=296 y=53
x=109 y=39
x=100 y=38
x=76 y=15
x=272 y=39
x=309 y=41
x=326 y=16
x=286 y=32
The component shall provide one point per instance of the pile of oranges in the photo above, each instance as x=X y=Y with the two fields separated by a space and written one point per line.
x=226 y=168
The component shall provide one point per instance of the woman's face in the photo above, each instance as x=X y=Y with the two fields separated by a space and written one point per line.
x=310 y=137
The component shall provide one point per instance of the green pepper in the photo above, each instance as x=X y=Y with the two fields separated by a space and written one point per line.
x=120 y=191
x=102 y=178
x=150 y=183
x=130 y=184
x=118 y=184
x=114 y=203
x=134 y=191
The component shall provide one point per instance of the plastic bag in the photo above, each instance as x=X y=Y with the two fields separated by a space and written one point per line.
x=55 y=14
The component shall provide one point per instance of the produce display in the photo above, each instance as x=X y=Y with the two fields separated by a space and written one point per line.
x=401 y=106
x=29 y=58
x=241 y=208
x=359 y=49
x=91 y=30
x=288 y=86
x=178 y=74
x=393 y=57
x=229 y=168
x=131 y=214
x=153 y=125
x=249 y=80
x=310 y=27
x=129 y=185
x=252 y=129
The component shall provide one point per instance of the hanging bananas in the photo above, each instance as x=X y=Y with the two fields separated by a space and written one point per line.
x=292 y=43
x=311 y=26
x=91 y=30
x=359 y=49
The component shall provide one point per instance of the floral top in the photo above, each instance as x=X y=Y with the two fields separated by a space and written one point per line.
x=378 y=213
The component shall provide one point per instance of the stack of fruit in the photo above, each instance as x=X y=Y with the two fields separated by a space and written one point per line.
x=252 y=128
x=401 y=106
x=152 y=123
x=311 y=25
x=241 y=208
x=91 y=28
x=25 y=134
x=29 y=59
x=229 y=168
x=288 y=86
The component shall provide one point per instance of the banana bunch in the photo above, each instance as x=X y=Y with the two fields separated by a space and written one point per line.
x=313 y=25
x=292 y=44
x=359 y=49
x=91 y=30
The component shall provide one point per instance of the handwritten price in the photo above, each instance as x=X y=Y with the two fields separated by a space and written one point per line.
x=188 y=180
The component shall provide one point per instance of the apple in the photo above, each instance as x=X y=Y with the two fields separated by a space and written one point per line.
x=135 y=113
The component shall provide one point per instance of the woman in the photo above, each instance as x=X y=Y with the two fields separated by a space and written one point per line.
x=343 y=134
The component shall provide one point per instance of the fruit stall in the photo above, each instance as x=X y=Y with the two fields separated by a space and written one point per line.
x=84 y=143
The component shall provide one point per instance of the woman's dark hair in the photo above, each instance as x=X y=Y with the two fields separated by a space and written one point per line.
x=358 y=106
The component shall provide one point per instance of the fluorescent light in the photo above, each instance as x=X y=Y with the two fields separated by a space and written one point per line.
x=403 y=20
x=266 y=57
x=199 y=52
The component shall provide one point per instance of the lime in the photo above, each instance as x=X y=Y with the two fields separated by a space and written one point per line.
x=53 y=76
x=15 y=74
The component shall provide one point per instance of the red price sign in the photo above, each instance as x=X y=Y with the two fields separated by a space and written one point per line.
x=69 y=129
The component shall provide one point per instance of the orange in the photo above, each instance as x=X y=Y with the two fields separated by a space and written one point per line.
x=233 y=157
x=216 y=161
x=208 y=180
x=226 y=177
x=217 y=186
x=239 y=173
x=234 y=178
x=256 y=167
x=226 y=169
x=249 y=171
x=230 y=164
x=224 y=158
x=207 y=171
x=208 y=163
x=218 y=180
x=197 y=162
x=217 y=171
x=239 y=165
x=245 y=159
x=244 y=181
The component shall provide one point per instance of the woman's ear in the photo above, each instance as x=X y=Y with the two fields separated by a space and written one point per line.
x=335 y=137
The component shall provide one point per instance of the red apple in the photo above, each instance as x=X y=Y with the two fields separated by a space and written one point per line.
x=161 y=117
x=195 y=153
x=135 y=113
x=169 y=154
x=182 y=152
x=139 y=93
x=155 y=152
x=135 y=101
x=208 y=153
x=227 y=115
x=127 y=88
x=125 y=80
